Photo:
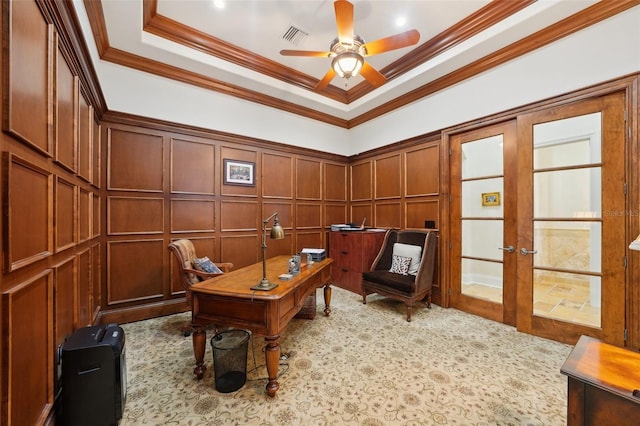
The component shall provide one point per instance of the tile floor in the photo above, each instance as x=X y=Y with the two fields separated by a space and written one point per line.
x=564 y=301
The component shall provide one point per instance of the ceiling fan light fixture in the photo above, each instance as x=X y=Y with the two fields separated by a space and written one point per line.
x=347 y=64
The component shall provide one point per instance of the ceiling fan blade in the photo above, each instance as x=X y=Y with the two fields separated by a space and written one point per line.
x=326 y=79
x=393 y=42
x=313 y=53
x=344 y=21
x=372 y=75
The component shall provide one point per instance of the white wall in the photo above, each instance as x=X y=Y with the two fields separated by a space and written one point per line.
x=604 y=51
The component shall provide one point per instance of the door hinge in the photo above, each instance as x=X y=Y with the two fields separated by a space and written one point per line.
x=450 y=295
x=450 y=152
x=626 y=335
x=450 y=245
x=625 y=262
x=625 y=188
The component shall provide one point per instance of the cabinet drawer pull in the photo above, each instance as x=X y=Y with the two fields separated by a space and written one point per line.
x=345 y=269
x=344 y=252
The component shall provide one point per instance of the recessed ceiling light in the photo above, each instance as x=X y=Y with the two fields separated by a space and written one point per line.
x=219 y=4
x=401 y=21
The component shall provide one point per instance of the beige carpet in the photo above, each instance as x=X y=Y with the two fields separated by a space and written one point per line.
x=363 y=365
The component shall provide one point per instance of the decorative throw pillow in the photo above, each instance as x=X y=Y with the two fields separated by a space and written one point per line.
x=409 y=250
x=400 y=264
x=204 y=264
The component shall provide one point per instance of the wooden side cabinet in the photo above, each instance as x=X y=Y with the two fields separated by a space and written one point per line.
x=602 y=379
x=353 y=252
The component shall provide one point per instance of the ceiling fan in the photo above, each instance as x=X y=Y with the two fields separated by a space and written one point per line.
x=348 y=50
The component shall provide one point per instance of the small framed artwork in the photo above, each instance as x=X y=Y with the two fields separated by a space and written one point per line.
x=491 y=199
x=239 y=172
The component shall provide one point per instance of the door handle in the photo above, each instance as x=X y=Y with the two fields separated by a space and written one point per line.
x=508 y=249
x=524 y=251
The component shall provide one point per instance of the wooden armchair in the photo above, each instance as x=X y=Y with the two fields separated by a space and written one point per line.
x=185 y=253
x=402 y=285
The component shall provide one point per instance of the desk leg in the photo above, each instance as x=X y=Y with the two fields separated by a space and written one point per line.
x=272 y=355
x=199 y=345
x=327 y=299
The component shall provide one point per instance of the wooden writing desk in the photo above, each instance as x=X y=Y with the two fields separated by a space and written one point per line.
x=602 y=379
x=228 y=300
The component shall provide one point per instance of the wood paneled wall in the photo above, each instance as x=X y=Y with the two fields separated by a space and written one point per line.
x=51 y=185
x=165 y=182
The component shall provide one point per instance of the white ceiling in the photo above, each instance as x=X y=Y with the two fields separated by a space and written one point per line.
x=258 y=26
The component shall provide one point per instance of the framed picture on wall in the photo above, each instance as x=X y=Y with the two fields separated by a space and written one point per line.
x=239 y=172
x=491 y=199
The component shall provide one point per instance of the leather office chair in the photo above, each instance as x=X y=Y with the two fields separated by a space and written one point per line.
x=185 y=254
x=401 y=285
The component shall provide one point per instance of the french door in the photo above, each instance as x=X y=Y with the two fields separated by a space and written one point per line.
x=538 y=223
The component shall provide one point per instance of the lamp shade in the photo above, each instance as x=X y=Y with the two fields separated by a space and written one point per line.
x=277 y=233
x=347 y=64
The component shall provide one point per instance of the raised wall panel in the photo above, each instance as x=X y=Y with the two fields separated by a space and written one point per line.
x=65 y=299
x=417 y=212
x=361 y=211
x=29 y=214
x=28 y=350
x=238 y=215
x=308 y=180
x=388 y=215
x=96 y=215
x=335 y=182
x=192 y=167
x=422 y=171
x=28 y=115
x=193 y=215
x=228 y=153
x=65 y=214
x=284 y=210
x=242 y=250
x=66 y=104
x=361 y=181
x=277 y=176
x=335 y=214
x=308 y=216
x=134 y=270
x=309 y=239
x=84 y=215
x=387 y=177
x=85 y=288
x=96 y=153
x=85 y=141
x=96 y=280
x=135 y=161
x=148 y=217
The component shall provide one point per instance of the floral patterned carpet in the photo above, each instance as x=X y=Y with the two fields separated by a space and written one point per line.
x=362 y=365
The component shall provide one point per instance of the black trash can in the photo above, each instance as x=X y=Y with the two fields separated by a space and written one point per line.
x=230 y=359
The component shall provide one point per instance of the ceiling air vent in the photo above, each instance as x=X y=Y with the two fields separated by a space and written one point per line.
x=294 y=35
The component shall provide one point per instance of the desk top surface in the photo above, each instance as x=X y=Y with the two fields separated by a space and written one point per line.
x=238 y=282
x=605 y=366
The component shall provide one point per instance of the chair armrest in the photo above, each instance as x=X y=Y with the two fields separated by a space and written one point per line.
x=201 y=274
x=225 y=266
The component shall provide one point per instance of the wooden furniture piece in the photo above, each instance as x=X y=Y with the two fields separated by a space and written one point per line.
x=229 y=300
x=184 y=253
x=406 y=288
x=602 y=379
x=353 y=252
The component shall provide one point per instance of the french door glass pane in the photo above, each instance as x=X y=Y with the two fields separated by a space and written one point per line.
x=568 y=193
x=568 y=245
x=568 y=297
x=472 y=197
x=569 y=142
x=482 y=279
x=482 y=238
x=482 y=157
